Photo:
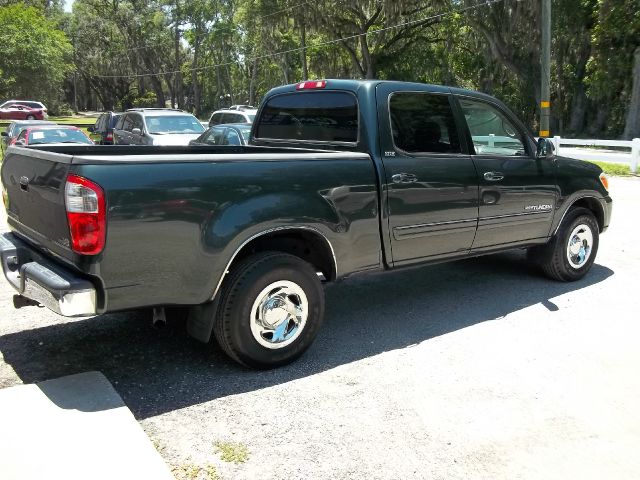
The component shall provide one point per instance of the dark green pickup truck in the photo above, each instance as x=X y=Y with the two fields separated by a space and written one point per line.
x=341 y=177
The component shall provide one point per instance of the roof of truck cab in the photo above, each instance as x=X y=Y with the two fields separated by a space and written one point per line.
x=356 y=84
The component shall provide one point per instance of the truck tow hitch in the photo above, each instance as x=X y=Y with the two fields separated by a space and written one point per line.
x=159 y=317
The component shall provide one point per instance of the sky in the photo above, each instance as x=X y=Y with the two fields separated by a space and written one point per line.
x=67 y=5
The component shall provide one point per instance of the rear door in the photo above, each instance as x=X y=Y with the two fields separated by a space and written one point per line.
x=431 y=185
x=517 y=191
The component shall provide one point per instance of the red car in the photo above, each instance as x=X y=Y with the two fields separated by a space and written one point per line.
x=14 y=110
x=48 y=134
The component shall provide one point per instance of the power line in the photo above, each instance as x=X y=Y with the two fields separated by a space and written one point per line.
x=485 y=3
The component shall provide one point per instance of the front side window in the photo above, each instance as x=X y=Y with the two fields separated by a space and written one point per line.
x=321 y=116
x=491 y=132
x=214 y=137
x=423 y=123
x=127 y=123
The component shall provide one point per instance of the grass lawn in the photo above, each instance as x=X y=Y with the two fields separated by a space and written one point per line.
x=74 y=120
x=614 y=168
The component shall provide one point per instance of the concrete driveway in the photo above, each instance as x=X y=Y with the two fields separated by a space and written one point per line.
x=476 y=369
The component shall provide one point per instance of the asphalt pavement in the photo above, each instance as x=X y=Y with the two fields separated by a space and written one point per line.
x=475 y=369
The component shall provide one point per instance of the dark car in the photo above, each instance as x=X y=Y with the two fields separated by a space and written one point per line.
x=51 y=134
x=102 y=131
x=14 y=129
x=230 y=134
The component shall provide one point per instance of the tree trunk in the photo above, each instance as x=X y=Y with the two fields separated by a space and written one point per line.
x=632 y=124
x=252 y=83
x=194 y=79
x=159 y=91
x=578 y=110
x=303 y=52
x=177 y=85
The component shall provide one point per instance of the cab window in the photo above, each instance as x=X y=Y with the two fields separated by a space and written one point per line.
x=320 y=116
x=491 y=132
x=423 y=123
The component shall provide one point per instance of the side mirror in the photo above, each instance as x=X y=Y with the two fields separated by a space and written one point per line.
x=136 y=131
x=545 y=149
x=91 y=129
x=4 y=134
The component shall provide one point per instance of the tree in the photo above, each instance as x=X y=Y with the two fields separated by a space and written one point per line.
x=33 y=49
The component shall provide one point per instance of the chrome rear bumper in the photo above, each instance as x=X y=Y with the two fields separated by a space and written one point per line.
x=38 y=278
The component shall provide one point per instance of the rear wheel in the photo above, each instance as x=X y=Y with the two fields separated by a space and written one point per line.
x=30 y=117
x=570 y=254
x=271 y=309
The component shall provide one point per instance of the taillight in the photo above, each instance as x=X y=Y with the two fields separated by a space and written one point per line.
x=311 y=85
x=109 y=137
x=86 y=214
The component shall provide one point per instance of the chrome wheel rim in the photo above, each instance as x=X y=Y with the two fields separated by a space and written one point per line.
x=579 y=246
x=279 y=314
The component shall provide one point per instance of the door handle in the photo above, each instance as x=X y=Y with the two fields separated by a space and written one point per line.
x=493 y=176
x=404 y=178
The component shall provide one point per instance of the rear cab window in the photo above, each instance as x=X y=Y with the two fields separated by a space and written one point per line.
x=315 y=117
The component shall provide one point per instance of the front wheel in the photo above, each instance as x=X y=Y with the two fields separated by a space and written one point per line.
x=271 y=309
x=30 y=117
x=570 y=254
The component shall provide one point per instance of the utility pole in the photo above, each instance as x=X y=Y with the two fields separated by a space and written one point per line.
x=545 y=63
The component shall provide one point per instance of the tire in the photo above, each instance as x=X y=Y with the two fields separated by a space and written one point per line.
x=271 y=309
x=30 y=117
x=565 y=257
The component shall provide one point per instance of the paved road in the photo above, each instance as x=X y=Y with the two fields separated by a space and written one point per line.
x=476 y=369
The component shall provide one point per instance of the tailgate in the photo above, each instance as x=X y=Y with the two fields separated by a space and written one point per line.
x=34 y=182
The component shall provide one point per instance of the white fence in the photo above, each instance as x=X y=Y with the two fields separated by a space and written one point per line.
x=566 y=148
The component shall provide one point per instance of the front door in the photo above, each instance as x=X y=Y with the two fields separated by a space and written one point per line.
x=517 y=191
x=431 y=186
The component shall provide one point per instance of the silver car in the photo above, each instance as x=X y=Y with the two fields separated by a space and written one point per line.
x=156 y=126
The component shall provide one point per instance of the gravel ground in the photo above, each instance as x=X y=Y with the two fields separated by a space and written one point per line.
x=476 y=369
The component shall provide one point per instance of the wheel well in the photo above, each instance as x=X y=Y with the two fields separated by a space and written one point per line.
x=595 y=207
x=308 y=245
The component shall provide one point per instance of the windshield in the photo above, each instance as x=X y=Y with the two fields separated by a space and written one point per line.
x=174 y=124
x=57 y=135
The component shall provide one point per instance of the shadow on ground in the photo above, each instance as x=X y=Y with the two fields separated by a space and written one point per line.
x=159 y=371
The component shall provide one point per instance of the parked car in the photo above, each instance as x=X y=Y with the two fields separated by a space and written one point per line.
x=28 y=103
x=14 y=129
x=233 y=114
x=156 y=126
x=340 y=177
x=23 y=110
x=232 y=134
x=44 y=135
x=102 y=131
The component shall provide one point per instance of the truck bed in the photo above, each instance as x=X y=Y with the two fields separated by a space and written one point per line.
x=175 y=216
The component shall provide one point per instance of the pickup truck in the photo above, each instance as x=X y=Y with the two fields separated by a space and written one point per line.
x=340 y=177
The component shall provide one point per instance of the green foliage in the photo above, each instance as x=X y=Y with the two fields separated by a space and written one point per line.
x=33 y=49
x=617 y=169
x=205 y=54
